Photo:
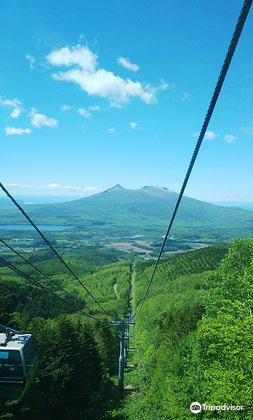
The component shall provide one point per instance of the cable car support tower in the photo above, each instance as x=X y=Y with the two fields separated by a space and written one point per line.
x=124 y=324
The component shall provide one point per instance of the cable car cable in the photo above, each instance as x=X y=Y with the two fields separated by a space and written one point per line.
x=36 y=283
x=39 y=271
x=31 y=280
x=226 y=64
x=43 y=274
x=51 y=247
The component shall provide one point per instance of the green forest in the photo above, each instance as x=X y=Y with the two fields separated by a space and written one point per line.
x=128 y=302
x=191 y=338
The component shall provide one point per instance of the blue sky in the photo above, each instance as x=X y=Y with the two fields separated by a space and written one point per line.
x=98 y=93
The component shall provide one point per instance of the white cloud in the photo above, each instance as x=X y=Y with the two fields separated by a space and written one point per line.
x=13 y=103
x=83 y=71
x=10 y=102
x=66 y=108
x=90 y=189
x=11 y=131
x=185 y=96
x=111 y=130
x=94 y=108
x=38 y=120
x=125 y=62
x=208 y=136
x=83 y=112
x=15 y=113
x=31 y=61
x=229 y=138
x=78 y=188
x=164 y=85
x=78 y=55
x=133 y=125
x=54 y=188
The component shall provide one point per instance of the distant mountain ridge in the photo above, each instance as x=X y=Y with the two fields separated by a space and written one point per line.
x=148 y=207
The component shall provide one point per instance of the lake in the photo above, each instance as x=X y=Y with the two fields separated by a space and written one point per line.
x=49 y=228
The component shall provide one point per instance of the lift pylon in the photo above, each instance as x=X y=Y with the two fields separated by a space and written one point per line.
x=122 y=324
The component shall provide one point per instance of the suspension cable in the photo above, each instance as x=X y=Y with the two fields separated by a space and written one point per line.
x=44 y=275
x=51 y=247
x=39 y=271
x=36 y=283
x=226 y=64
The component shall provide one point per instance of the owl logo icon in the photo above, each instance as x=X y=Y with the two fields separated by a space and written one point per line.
x=195 y=407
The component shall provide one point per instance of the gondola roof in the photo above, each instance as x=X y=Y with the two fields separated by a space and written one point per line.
x=16 y=342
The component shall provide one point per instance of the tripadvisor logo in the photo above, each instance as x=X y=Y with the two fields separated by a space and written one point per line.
x=195 y=407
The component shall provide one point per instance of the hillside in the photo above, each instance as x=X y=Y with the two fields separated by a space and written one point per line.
x=190 y=341
x=77 y=355
x=193 y=336
x=146 y=209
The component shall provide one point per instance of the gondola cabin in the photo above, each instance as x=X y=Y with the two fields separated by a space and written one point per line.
x=18 y=364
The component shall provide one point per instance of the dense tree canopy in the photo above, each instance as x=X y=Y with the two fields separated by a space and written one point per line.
x=193 y=335
x=77 y=355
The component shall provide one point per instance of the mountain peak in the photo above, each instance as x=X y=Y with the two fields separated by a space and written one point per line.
x=116 y=187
